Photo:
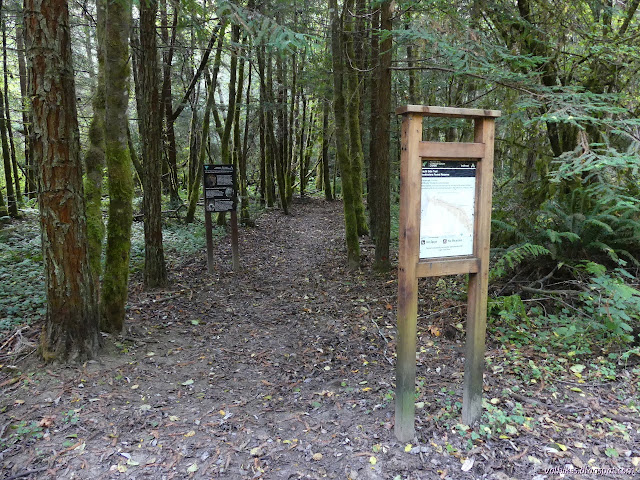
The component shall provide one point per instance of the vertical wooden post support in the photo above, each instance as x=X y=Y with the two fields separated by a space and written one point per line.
x=234 y=240
x=209 y=235
x=409 y=239
x=411 y=266
x=479 y=282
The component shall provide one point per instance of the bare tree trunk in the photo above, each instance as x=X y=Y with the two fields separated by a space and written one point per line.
x=6 y=157
x=71 y=331
x=325 y=152
x=380 y=207
x=27 y=120
x=194 y=189
x=167 y=101
x=12 y=148
x=155 y=270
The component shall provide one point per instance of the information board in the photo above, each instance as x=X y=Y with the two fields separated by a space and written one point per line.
x=447 y=208
x=219 y=193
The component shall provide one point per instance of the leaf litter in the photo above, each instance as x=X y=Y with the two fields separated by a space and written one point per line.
x=284 y=370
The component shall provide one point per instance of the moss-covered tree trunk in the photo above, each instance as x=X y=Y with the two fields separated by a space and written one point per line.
x=70 y=332
x=342 y=140
x=94 y=159
x=155 y=270
x=120 y=173
x=353 y=115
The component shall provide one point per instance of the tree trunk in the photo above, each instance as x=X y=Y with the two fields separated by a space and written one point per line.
x=12 y=148
x=325 y=152
x=244 y=194
x=380 y=170
x=6 y=157
x=167 y=110
x=342 y=140
x=266 y=117
x=353 y=116
x=202 y=152
x=120 y=175
x=27 y=120
x=155 y=270
x=70 y=332
x=281 y=150
x=94 y=160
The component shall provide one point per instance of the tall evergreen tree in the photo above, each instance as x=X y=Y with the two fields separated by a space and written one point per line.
x=70 y=331
x=155 y=271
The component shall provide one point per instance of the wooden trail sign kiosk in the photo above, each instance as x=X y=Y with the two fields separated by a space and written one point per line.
x=220 y=196
x=445 y=222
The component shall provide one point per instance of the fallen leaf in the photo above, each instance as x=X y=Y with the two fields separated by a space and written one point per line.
x=187 y=383
x=408 y=447
x=193 y=468
x=468 y=464
x=317 y=456
x=190 y=434
x=373 y=460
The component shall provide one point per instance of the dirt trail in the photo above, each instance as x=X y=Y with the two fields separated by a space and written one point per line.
x=280 y=371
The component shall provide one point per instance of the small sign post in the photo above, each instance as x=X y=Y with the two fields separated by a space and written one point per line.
x=220 y=196
x=445 y=222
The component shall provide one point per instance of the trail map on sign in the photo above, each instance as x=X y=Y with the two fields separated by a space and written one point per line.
x=447 y=209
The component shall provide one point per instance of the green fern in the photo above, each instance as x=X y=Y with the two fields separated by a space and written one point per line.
x=514 y=257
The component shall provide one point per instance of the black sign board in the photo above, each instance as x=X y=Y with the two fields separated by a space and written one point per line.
x=219 y=193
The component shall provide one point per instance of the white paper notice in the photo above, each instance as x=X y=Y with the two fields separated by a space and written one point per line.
x=447 y=209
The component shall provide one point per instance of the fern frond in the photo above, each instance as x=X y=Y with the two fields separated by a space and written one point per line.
x=514 y=257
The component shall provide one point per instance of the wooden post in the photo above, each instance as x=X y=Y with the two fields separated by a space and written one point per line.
x=411 y=267
x=409 y=239
x=209 y=234
x=479 y=282
x=234 y=241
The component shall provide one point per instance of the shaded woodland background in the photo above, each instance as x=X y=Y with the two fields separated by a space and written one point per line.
x=300 y=96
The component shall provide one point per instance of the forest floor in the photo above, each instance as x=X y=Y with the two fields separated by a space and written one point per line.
x=285 y=370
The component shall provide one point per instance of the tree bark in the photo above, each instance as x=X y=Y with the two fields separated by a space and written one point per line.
x=94 y=159
x=326 y=176
x=12 y=148
x=380 y=170
x=120 y=175
x=342 y=140
x=70 y=332
x=155 y=270
x=167 y=101
x=353 y=116
x=194 y=190
x=27 y=120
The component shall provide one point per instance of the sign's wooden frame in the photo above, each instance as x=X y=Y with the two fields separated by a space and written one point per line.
x=411 y=267
x=208 y=223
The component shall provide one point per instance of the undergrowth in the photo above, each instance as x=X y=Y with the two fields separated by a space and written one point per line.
x=22 y=290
